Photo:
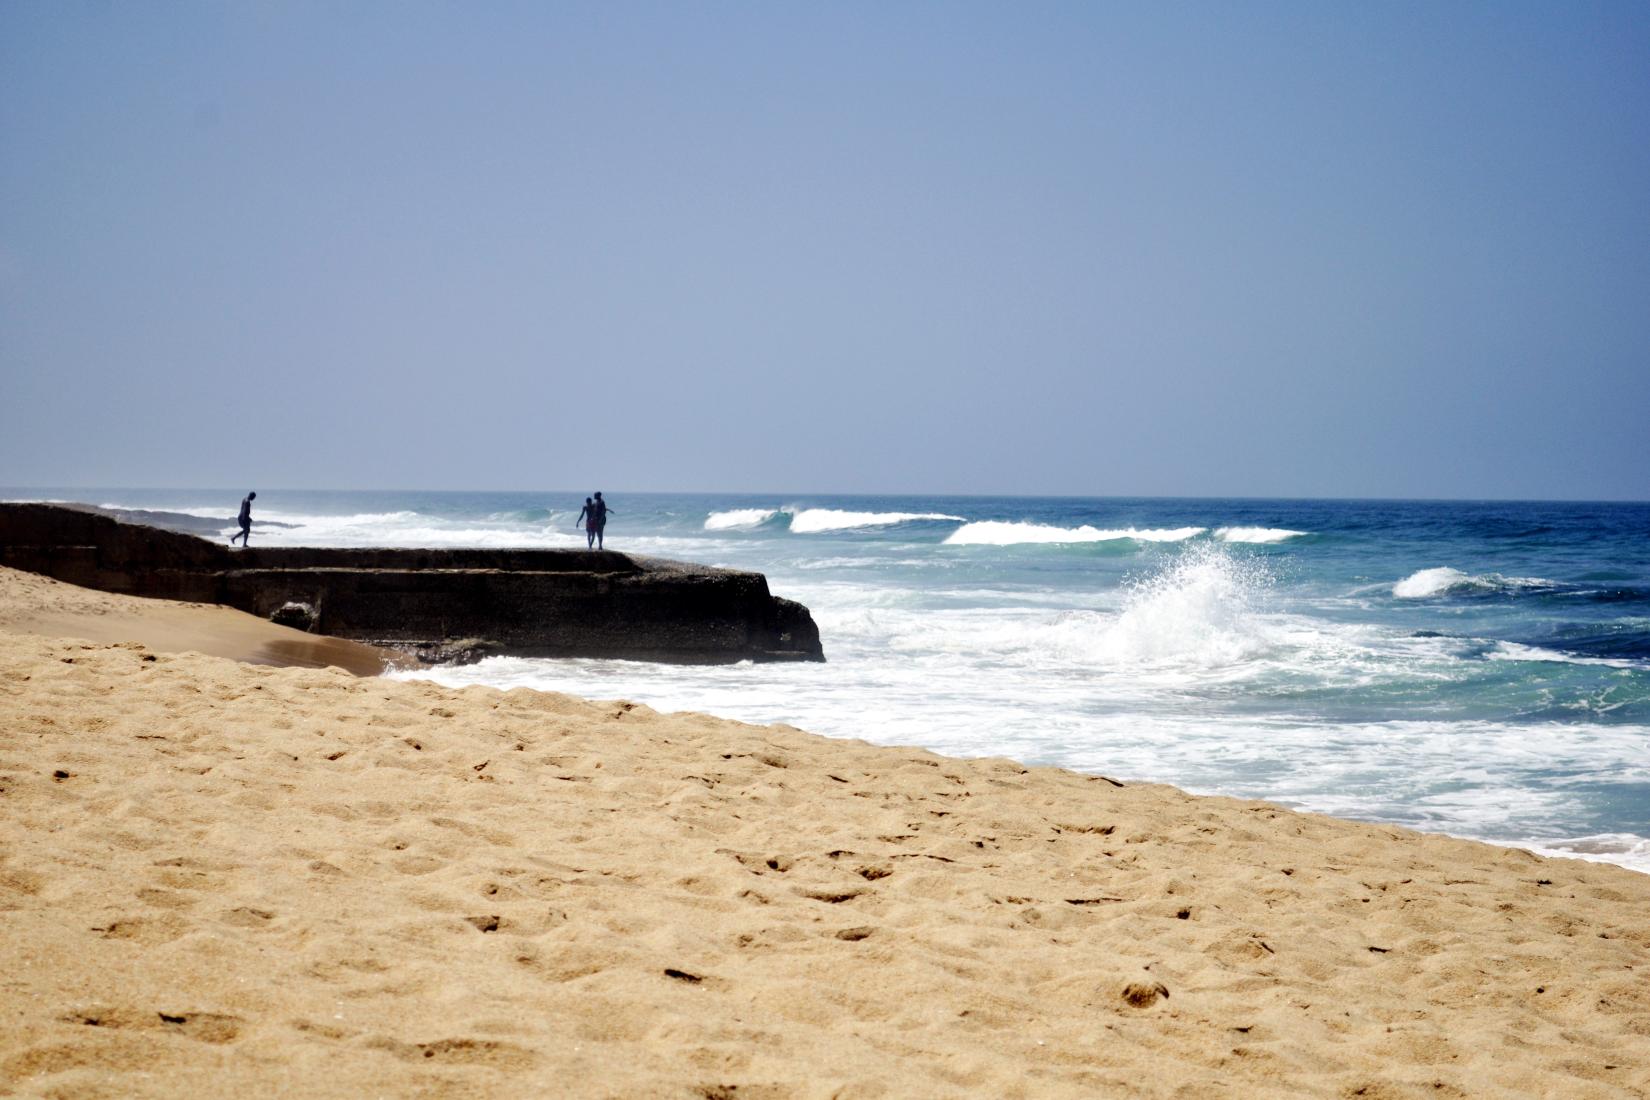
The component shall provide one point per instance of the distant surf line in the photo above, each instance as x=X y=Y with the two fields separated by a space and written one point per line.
x=980 y=532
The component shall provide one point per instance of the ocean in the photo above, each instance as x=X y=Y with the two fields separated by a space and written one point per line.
x=1474 y=668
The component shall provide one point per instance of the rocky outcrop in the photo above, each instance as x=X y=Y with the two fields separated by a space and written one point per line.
x=441 y=603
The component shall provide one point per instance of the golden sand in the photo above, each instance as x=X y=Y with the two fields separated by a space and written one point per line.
x=32 y=604
x=224 y=879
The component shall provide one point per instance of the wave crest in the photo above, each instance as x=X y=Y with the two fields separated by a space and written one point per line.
x=737 y=518
x=812 y=521
x=1016 y=533
x=1443 y=581
x=1260 y=535
x=1517 y=651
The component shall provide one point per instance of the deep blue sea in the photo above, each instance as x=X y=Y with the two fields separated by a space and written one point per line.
x=1479 y=669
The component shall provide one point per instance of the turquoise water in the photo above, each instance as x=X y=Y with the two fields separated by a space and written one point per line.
x=1481 y=669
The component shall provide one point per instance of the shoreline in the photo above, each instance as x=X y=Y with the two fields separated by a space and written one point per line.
x=222 y=877
x=35 y=604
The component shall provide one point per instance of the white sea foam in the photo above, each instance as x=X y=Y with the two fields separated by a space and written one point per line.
x=1197 y=614
x=1425 y=583
x=1624 y=849
x=1001 y=533
x=1201 y=610
x=813 y=521
x=1515 y=651
x=1257 y=534
x=737 y=518
x=1428 y=582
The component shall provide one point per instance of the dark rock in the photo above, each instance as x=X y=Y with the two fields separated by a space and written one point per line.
x=461 y=651
x=554 y=603
x=300 y=616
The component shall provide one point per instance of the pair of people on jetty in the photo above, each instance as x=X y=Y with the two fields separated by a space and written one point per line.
x=594 y=517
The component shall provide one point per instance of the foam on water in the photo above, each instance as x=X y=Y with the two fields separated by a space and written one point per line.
x=1260 y=535
x=736 y=518
x=1199 y=613
x=1428 y=582
x=1201 y=609
x=1623 y=849
x=1017 y=533
x=811 y=521
x=1517 y=651
x=1443 y=580
x=532 y=515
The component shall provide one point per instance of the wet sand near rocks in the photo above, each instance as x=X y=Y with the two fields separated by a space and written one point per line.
x=32 y=604
x=222 y=878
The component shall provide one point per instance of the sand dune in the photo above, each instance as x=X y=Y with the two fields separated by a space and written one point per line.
x=227 y=879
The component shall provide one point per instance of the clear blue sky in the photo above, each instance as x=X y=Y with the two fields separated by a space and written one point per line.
x=1293 y=249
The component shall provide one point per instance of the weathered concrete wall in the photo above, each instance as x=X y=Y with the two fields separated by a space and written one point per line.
x=532 y=602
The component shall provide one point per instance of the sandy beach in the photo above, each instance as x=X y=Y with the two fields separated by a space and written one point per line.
x=32 y=604
x=220 y=877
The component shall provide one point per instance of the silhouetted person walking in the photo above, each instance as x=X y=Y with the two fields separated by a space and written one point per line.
x=587 y=516
x=245 y=520
x=601 y=519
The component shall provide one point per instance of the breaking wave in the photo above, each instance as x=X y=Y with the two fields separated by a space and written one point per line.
x=811 y=521
x=1444 y=581
x=740 y=518
x=528 y=515
x=1257 y=534
x=1001 y=533
x=1517 y=651
x=814 y=521
x=1201 y=612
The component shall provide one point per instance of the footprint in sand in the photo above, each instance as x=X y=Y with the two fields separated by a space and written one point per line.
x=147 y=931
x=419 y=865
x=462 y=1052
x=205 y=1027
x=246 y=916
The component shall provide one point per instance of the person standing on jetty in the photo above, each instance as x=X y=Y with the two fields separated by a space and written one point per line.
x=601 y=519
x=587 y=516
x=245 y=520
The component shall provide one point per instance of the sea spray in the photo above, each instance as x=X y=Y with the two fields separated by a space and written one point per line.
x=1202 y=609
x=1197 y=609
